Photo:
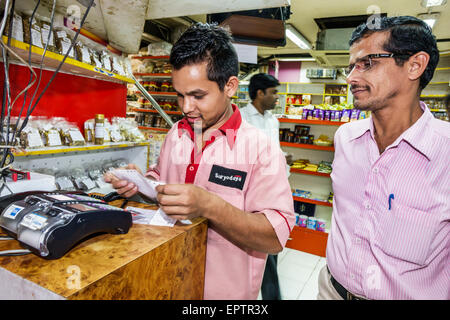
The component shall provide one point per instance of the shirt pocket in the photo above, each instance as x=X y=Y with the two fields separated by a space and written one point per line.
x=407 y=233
x=233 y=196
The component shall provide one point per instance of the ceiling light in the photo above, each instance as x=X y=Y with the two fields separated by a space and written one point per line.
x=433 y=3
x=429 y=18
x=297 y=38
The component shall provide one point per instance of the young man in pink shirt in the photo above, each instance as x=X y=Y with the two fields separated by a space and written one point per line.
x=217 y=166
x=390 y=228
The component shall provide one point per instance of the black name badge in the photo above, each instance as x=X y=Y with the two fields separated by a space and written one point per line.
x=227 y=177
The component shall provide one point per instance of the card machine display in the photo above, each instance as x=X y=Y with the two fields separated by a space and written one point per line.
x=51 y=223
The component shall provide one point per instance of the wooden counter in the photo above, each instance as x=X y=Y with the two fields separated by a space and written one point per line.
x=149 y=262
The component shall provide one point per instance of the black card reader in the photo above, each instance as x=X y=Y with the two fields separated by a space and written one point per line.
x=51 y=223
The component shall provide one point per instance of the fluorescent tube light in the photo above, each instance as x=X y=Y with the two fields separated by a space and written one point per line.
x=433 y=3
x=297 y=38
x=429 y=18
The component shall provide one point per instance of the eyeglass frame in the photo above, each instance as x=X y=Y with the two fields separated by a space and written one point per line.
x=371 y=56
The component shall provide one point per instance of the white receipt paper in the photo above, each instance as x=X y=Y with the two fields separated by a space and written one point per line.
x=146 y=187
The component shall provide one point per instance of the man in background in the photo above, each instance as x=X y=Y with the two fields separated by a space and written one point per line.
x=264 y=95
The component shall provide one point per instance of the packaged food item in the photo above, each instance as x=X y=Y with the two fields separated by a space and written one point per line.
x=48 y=36
x=311 y=167
x=311 y=223
x=35 y=37
x=17 y=27
x=165 y=86
x=95 y=58
x=83 y=53
x=63 y=181
x=116 y=135
x=89 y=127
x=324 y=167
x=50 y=133
x=320 y=225
x=355 y=115
x=306 y=99
x=107 y=137
x=302 y=220
x=72 y=135
x=99 y=135
x=117 y=65
x=130 y=131
x=153 y=86
x=63 y=43
x=30 y=137
x=346 y=115
x=323 y=141
x=106 y=60
x=81 y=179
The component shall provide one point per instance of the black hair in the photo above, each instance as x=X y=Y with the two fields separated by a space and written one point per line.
x=207 y=42
x=261 y=81
x=408 y=35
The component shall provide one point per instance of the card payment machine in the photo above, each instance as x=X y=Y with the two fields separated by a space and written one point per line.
x=51 y=223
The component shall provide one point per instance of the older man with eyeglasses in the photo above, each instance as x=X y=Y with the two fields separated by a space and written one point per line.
x=390 y=228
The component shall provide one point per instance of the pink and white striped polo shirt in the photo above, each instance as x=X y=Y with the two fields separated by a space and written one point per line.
x=244 y=167
x=390 y=233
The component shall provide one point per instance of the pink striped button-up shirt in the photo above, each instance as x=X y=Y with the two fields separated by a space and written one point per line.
x=390 y=230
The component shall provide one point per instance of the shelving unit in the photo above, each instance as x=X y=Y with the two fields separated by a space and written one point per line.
x=300 y=94
x=149 y=123
x=312 y=201
x=303 y=239
x=312 y=173
x=314 y=122
x=305 y=146
x=71 y=66
x=154 y=129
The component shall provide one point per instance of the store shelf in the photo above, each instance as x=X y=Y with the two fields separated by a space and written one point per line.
x=317 y=122
x=312 y=201
x=88 y=147
x=71 y=66
x=305 y=146
x=154 y=75
x=154 y=129
x=151 y=57
x=154 y=111
x=312 y=173
x=433 y=96
x=160 y=94
x=307 y=240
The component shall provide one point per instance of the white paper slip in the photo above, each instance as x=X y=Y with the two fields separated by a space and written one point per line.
x=152 y=217
x=145 y=185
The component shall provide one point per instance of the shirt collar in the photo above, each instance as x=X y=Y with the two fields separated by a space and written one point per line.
x=414 y=135
x=252 y=111
x=417 y=136
x=228 y=129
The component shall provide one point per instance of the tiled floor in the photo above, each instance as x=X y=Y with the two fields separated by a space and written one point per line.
x=298 y=274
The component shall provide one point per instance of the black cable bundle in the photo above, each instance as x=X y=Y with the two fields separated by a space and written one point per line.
x=9 y=141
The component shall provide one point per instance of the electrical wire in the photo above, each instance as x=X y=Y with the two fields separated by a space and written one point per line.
x=30 y=110
x=16 y=252
x=52 y=16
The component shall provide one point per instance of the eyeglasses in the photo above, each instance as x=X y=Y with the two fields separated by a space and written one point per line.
x=365 y=63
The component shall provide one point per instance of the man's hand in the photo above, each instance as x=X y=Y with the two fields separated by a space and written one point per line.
x=289 y=159
x=123 y=187
x=186 y=201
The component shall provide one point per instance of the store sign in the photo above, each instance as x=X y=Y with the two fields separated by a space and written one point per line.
x=246 y=53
